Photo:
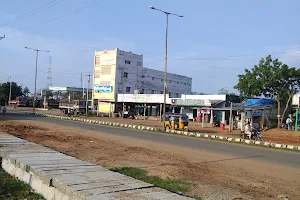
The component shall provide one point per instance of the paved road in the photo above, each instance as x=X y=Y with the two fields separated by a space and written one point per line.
x=237 y=151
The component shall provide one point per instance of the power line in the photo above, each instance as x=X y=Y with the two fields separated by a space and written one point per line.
x=61 y=16
x=33 y=12
x=221 y=58
x=238 y=56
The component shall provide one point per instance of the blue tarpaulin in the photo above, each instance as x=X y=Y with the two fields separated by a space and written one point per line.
x=258 y=102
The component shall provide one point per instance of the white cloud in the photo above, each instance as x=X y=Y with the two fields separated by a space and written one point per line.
x=68 y=57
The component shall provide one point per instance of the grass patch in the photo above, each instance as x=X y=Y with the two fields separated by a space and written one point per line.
x=11 y=188
x=140 y=174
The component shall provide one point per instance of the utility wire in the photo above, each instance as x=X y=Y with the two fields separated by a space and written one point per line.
x=61 y=16
x=33 y=12
x=221 y=58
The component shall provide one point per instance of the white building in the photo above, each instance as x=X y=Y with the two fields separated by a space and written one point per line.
x=120 y=72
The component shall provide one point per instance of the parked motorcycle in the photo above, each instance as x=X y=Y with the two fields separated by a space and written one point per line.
x=216 y=121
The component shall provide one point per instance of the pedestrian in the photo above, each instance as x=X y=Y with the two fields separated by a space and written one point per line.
x=288 y=122
x=4 y=109
x=248 y=130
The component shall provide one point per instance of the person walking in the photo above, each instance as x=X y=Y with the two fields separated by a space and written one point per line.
x=288 y=122
x=4 y=109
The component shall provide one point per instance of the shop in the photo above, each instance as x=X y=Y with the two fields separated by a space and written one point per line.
x=142 y=104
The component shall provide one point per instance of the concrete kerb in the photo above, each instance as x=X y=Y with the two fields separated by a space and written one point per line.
x=49 y=180
x=190 y=134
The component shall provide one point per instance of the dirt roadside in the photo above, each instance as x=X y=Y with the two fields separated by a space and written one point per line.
x=274 y=135
x=210 y=180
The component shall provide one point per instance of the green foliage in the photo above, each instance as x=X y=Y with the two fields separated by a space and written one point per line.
x=11 y=188
x=223 y=91
x=26 y=91
x=171 y=185
x=4 y=91
x=271 y=79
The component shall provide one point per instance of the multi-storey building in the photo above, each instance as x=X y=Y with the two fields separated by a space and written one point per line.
x=120 y=72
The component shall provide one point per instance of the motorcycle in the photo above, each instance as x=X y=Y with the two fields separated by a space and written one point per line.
x=255 y=135
x=216 y=122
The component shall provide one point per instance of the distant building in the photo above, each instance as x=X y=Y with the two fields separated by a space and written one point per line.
x=120 y=72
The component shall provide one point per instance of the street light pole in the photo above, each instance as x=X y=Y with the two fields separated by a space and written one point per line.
x=166 y=65
x=166 y=57
x=87 y=95
x=35 y=76
x=9 y=97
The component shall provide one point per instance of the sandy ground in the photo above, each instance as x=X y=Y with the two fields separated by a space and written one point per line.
x=274 y=135
x=211 y=177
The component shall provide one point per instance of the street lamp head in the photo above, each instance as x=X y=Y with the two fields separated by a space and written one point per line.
x=151 y=7
x=26 y=47
x=180 y=15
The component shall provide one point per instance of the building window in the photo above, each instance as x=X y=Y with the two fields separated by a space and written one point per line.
x=127 y=62
x=162 y=80
x=170 y=81
x=161 y=92
x=170 y=94
x=177 y=94
x=153 y=78
x=97 y=60
x=143 y=76
x=126 y=74
x=152 y=91
x=142 y=91
x=139 y=63
x=177 y=82
x=184 y=83
x=127 y=89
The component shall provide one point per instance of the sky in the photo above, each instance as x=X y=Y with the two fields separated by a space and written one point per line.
x=213 y=43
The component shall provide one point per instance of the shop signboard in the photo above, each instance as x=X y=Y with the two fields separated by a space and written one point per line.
x=256 y=113
x=102 y=89
x=143 y=98
x=190 y=102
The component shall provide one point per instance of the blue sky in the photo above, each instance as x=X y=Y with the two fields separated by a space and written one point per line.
x=200 y=43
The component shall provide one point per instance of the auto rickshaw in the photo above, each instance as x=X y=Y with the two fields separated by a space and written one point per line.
x=176 y=121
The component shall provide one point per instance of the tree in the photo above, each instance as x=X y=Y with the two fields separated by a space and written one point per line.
x=271 y=79
x=223 y=91
x=16 y=91
x=26 y=91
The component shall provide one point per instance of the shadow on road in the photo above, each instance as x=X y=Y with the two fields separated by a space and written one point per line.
x=16 y=116
x=205 y=162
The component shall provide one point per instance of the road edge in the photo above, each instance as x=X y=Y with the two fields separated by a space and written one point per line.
x=188 y=134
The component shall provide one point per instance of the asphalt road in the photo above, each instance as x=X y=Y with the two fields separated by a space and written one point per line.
x=237 y=151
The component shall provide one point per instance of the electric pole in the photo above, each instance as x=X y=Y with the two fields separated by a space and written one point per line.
x=35 y=77
x=9 y=97
x=49 y=77
x=166 y=56
x=87 y=94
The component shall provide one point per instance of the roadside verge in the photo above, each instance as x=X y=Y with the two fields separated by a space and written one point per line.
x=57 y=176
x=188 y=134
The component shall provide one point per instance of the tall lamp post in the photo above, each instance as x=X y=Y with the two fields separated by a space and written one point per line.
x=36 y=63
x=166 y=56
x=9 y=96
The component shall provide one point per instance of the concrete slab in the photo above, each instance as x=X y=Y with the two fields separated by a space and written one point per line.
x=59 y=176
x=141 y=194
